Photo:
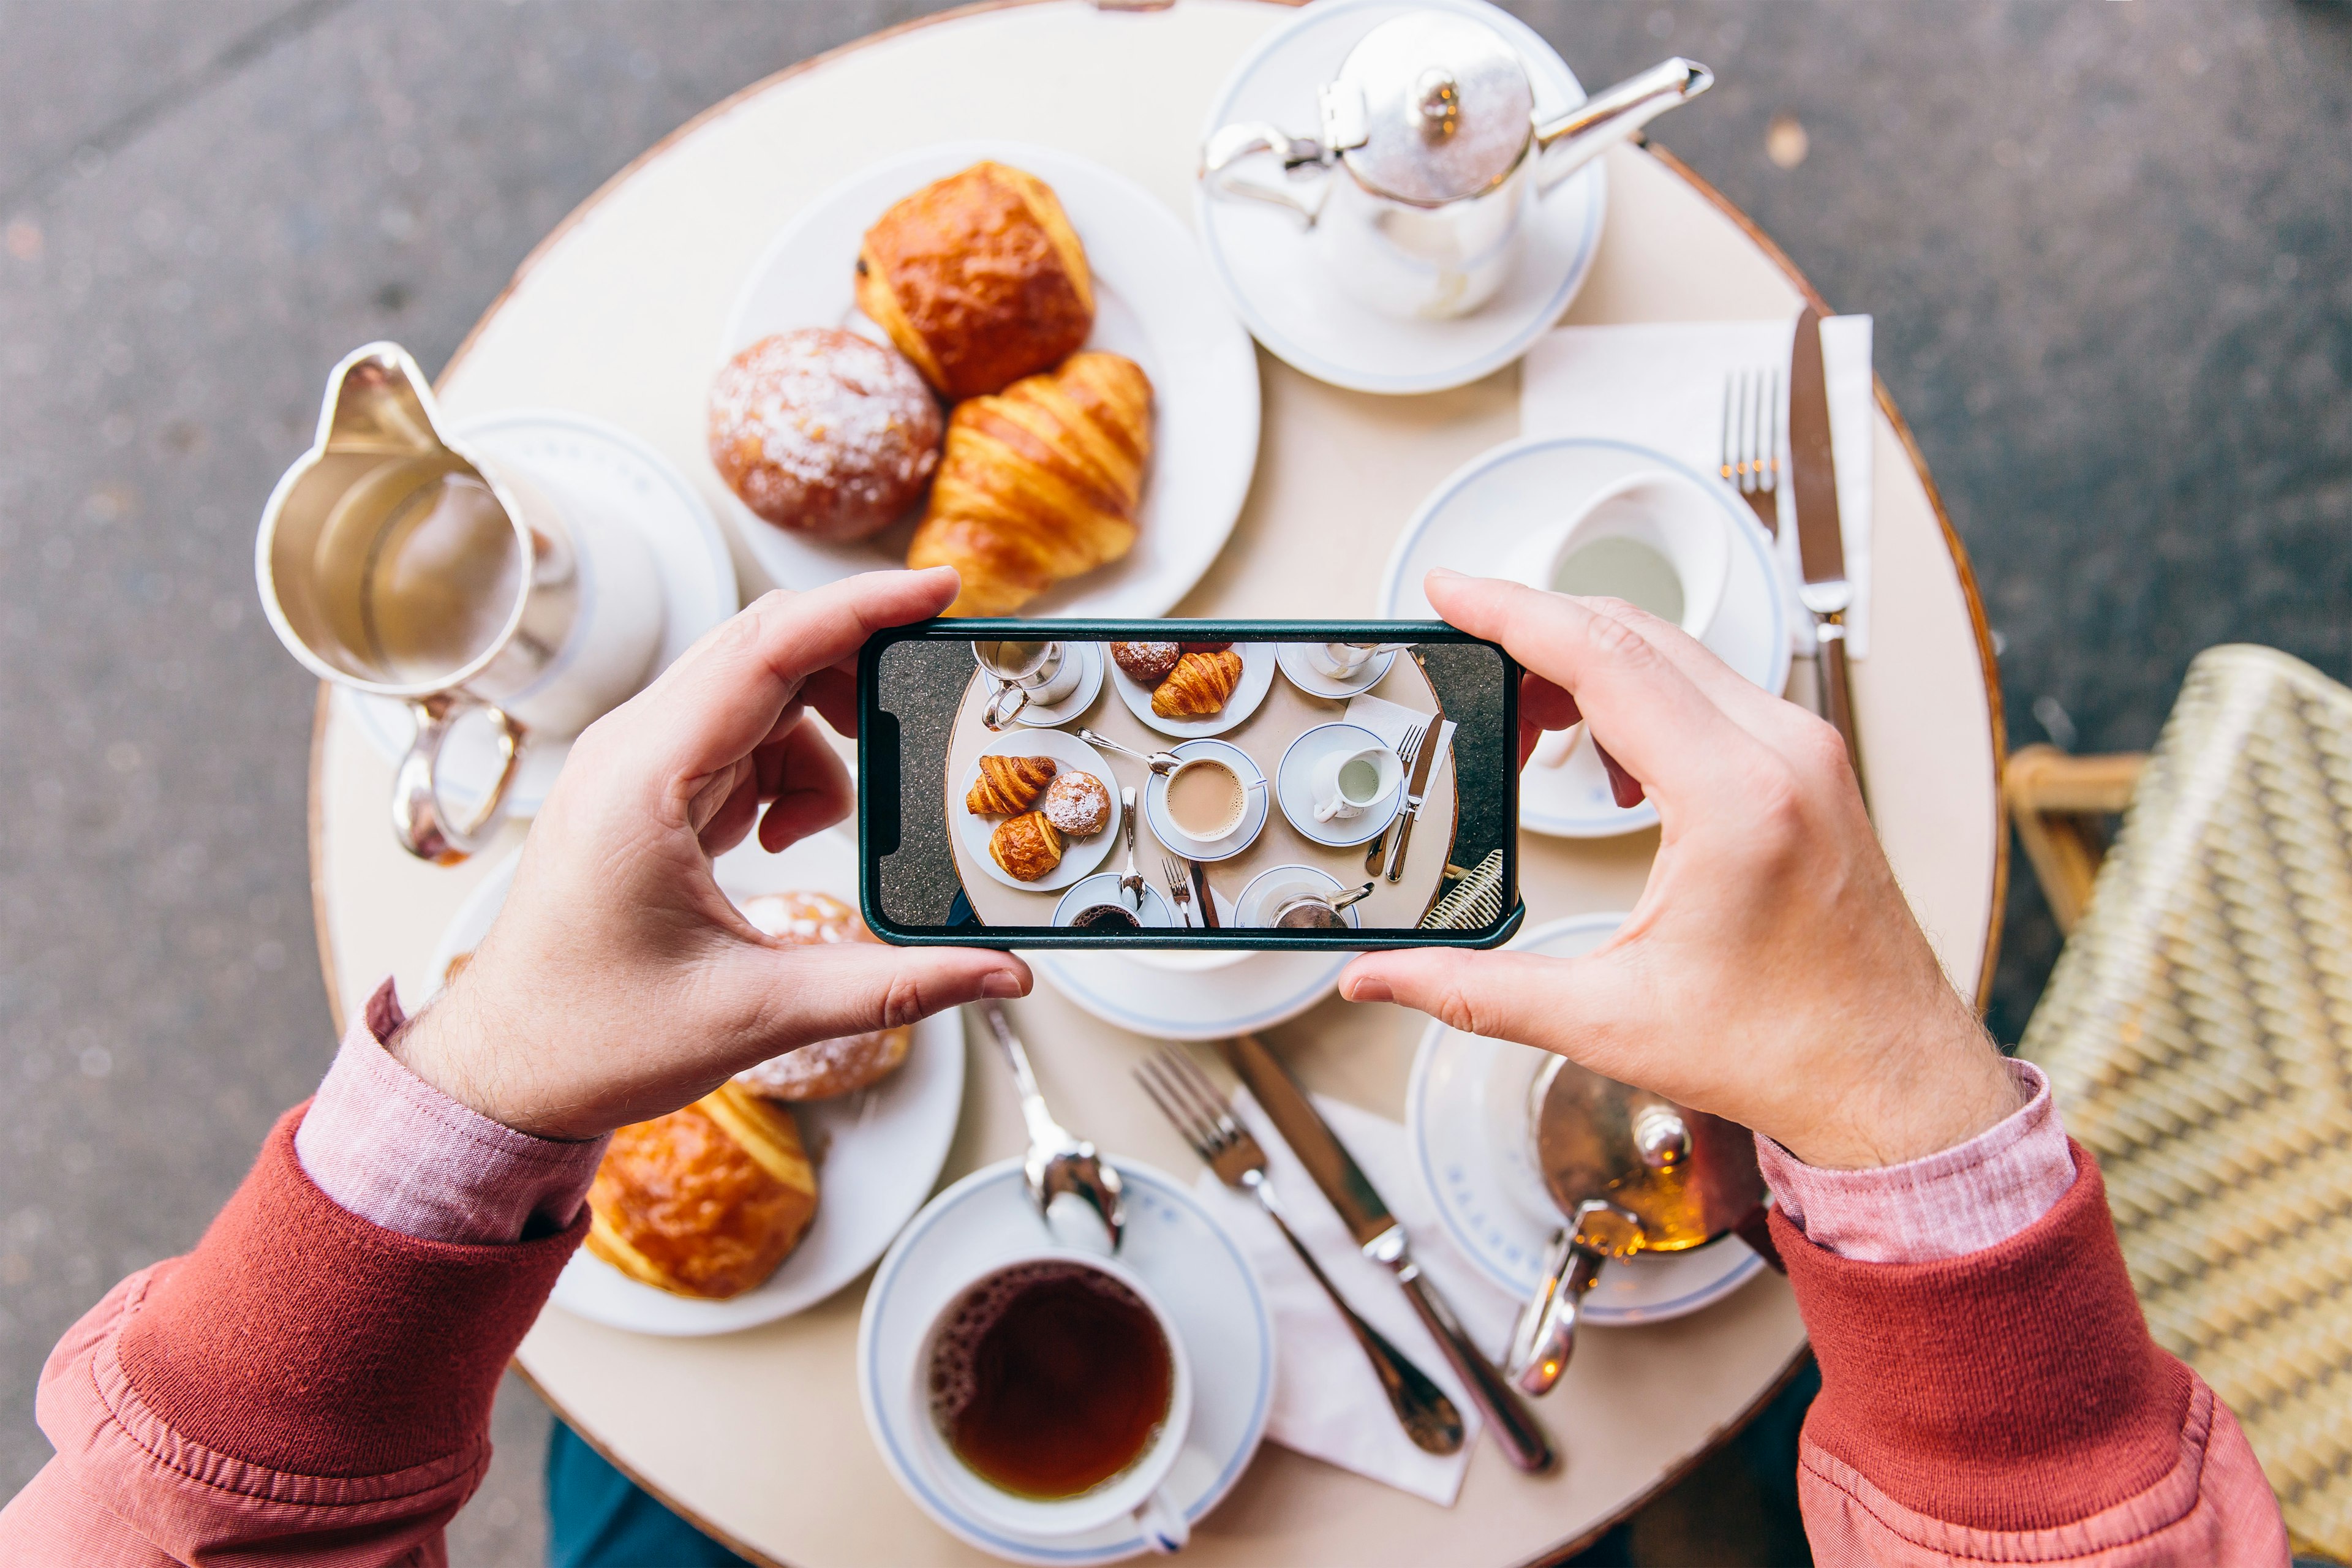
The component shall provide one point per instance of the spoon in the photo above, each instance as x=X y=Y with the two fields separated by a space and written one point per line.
x=1131 y=884
x=1057 y=1164
x=1160 y=762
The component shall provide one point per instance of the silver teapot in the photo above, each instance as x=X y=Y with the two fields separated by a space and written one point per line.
x=1416 y=189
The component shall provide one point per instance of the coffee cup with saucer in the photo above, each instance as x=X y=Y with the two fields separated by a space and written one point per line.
x=1214 y=842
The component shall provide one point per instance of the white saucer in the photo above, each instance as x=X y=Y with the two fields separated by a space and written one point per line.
x=1046 y=716
x=1256 y=906
x=1079 y=855
x=1261 y=256
x=1295 y=783
x=878 y=1150
x=1467 y=1116
x=1297 y=662
x=1257 y=991
x=573 y=454
x=1154 y=301
x=1191 y=1267
x=1254 y=815
x=1475 y=519
x=1257 y=679
x=1103 y=887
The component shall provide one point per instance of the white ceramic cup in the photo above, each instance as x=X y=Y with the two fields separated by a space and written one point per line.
x=1208 y=833
x=1133 y=1493
x=1332 y=777
x=1050 y=672
x=1340 y=660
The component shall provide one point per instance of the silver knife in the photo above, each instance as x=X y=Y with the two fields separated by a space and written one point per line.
x=1423 y=760
x=1821 y=541
x=1382 y=1239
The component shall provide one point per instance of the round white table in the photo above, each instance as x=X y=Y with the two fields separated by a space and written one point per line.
x=757 y=1436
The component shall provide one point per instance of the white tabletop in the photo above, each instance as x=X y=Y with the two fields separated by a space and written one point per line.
x=757 y=1436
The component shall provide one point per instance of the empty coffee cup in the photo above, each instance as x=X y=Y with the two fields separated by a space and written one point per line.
x=1026 y=672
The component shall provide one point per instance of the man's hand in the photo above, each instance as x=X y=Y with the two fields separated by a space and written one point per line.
x=619 y=983
x=1771 y=973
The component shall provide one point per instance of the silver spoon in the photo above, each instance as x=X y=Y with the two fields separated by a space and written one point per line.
x=1131 y=884
x=1056 y=1162
x=1158 y=762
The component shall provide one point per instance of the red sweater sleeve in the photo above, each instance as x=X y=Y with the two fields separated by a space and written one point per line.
x=2009 y=1405
x=302 y=1382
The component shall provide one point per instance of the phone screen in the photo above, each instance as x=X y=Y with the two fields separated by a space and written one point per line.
x=1188 y=784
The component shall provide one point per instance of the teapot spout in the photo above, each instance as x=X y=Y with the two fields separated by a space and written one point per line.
x=378 y=403
x=1566 y=144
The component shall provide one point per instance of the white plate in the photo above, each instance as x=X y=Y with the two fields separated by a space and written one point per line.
x=1103 y=887
x=1475 y=519
x=1079 y=855
x=1257 y=679
x=1466 y=1115
x=1294 y=782
x=1256 y=905
x=1256 y=991
x=1254 y=815
x=1046 y=716
x=1191 y=1267
x=582 y=462
x=1296 y=661
x=878 y=1150
x=1154 y=301
x=1262 y=258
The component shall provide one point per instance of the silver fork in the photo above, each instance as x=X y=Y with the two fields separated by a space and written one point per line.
x=1751 y=442
x=1190 y=1102
x=1178 y=888
x=1407 y=752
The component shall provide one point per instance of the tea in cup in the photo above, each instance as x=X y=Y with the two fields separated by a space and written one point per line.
x=1350 y=783
x=1206 y=798
x=1052 y=1395
x=1026 y=672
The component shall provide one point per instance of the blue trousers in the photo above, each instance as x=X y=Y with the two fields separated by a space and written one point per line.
x=597 y=1518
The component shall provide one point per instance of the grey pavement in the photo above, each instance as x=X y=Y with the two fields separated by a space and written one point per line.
x=2106 y=246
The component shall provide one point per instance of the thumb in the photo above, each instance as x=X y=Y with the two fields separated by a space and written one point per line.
x=1523 y=996
x=793 y=995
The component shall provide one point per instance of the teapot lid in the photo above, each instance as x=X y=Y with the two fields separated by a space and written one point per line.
x=1430 y=107
x=1688 y=1176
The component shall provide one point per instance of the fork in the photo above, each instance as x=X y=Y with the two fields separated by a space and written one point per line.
x=1751 y=442
x=1190 y=1102
x=1407 y=752
x=1178 y=888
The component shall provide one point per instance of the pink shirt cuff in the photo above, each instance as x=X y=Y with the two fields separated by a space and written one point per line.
x=1974 y=1195
x=394 y=1150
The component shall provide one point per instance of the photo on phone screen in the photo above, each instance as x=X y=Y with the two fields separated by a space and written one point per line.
x=1186 y=782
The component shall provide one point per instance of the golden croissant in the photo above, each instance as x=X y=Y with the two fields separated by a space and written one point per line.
x=1198 y=685
x=1008 y=784
x=1027 y=847
x=1039 y=484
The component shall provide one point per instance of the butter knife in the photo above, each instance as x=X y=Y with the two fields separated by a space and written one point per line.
x=1821 y=540
x=1382 y=1239
x=1425 y=759
x=1208 y=901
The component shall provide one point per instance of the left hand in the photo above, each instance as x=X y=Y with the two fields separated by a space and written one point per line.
x=619 y=983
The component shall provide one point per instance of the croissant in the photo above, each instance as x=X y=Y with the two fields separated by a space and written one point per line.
x=1027 y=847
x=1040 y=484
x=1008 y=784
x=978 y=279
x=1198 y=685
x=705 y=1201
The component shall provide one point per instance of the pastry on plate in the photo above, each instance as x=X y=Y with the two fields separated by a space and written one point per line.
x=978 y=279
x=1026 y=846
x=823 y=1068
x=1203 y=646
x=822 y=433
x=1146 y=663
x=1198 y=686
x=1076 y=804
x=705 y=1201
x=1039 y=485
x=1008 y=785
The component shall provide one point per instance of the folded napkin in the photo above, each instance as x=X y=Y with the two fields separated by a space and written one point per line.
x=1326 y=1402
x=1390 y=720
x=1661 y=385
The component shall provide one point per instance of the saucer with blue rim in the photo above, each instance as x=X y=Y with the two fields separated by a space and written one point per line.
x=1254 y=814
x=1295 y=783
x=1103 y=887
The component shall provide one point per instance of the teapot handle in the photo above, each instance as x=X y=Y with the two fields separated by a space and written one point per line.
x=1228 y=147
x=1545 y=1336
x=419 y=819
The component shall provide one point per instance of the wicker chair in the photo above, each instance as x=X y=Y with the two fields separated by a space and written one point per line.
x=2198 y=1033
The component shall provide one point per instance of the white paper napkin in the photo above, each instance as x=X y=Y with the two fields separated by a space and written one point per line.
x=1661 y=385
x=1326 y=1402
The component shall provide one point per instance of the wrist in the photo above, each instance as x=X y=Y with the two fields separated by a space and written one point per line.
x=448 y=1044
x=1936 y=1093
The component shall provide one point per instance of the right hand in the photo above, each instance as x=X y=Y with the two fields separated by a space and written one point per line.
x=1771 y=972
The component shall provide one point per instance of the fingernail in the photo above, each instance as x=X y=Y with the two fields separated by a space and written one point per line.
x=1000 y=984
x=1444 y=572
x=1370 y=988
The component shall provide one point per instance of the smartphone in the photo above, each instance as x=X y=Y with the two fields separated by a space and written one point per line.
x=1187 y=785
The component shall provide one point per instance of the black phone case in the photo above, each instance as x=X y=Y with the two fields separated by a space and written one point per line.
x=878 y=775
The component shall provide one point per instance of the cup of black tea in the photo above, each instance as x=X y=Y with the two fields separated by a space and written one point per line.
x=1052 y=1395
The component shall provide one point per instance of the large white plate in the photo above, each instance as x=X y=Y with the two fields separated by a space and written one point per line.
x=1079 y=855
x=1154 y=301
x=580 y=461
x=1257 y=679
x=1255 y=990
x=1475 y=519
x=1466 y=1115
x=878 y=1150
x=1190 y=1265
x=1264 y=261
